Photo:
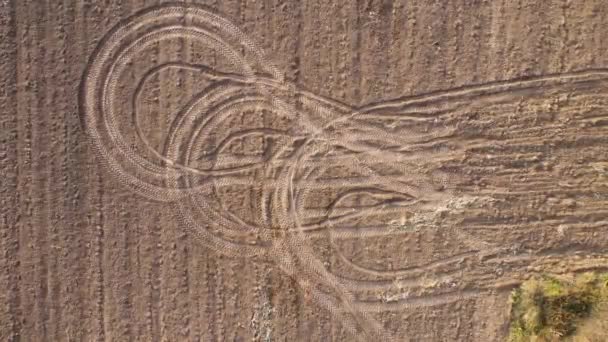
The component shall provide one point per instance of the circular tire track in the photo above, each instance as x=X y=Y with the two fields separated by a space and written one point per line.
x=288 y=174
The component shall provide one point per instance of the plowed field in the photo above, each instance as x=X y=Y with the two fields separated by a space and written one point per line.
x=265 y=170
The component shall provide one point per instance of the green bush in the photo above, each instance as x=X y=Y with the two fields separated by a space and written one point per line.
x=548 y=308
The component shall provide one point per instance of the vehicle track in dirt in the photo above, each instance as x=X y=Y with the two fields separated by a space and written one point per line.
x=405 y=217
x=375 y=130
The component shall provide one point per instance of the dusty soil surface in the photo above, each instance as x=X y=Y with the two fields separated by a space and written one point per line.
x=295 y=170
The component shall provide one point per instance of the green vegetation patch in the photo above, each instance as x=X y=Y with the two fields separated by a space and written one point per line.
x=550 y=308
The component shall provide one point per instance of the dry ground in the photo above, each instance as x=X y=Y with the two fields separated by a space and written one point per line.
x=386 y=170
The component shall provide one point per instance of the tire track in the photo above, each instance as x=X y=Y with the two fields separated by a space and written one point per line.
x=51 y=176
x=99 y=313
x=73 y=210
x=136 y=258
x=317 y=125
x=94 y=313
x=40 y=180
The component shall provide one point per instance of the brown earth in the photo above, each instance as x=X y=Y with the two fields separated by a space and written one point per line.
x=295 y=170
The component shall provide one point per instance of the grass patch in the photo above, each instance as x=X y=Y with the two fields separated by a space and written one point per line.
x=546 y=309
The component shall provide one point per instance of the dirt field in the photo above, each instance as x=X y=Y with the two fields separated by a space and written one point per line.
x=265 y=170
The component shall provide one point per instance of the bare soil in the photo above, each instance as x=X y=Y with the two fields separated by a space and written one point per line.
x=295 y=170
